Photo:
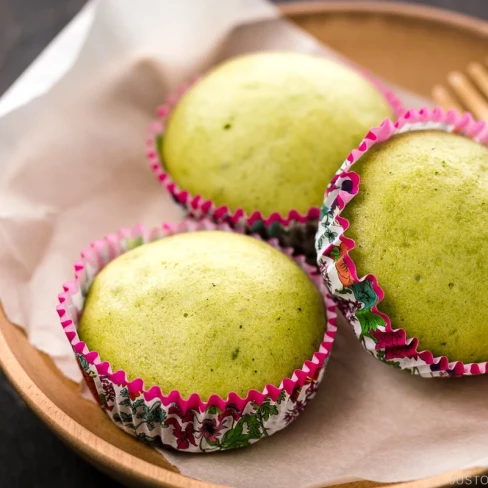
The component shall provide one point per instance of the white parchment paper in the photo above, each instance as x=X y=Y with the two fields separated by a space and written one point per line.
x=72 y=168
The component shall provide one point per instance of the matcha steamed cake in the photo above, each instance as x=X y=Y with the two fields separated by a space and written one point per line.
x=268 y=131
x=420 y=226
x=204 y=312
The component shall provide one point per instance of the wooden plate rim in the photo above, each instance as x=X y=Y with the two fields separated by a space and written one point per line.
x=98 y=451
x=412 y=11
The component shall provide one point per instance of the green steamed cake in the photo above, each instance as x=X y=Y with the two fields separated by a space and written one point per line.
x=204 y=312
x=268 y=131
x=420 y=226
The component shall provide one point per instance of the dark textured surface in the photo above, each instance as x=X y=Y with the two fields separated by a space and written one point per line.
x=30 y=456
x=26 y=27
x=476 y=8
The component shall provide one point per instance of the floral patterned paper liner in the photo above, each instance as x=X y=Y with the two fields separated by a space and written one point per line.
x=356 y=297
x=185 y=424
x=198 y=206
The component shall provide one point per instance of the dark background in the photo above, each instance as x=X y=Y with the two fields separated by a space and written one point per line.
x=30 y=456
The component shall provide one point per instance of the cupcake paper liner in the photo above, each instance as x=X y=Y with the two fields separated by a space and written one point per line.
x=294 y=230
x=357 y=298
x=191 y=424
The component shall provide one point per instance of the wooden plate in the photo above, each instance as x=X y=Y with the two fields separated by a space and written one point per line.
x=410 y=45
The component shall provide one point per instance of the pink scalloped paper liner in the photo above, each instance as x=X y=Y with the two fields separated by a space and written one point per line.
x=191 y=424
x=382 y=341
x=198 y=206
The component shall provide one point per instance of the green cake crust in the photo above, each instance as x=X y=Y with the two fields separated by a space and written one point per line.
x=420 y=226
x=205 y=312
x=268 y=131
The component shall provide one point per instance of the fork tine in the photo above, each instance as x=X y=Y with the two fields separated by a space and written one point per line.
x=468 y=94
x=444 y=98
x=479 y=75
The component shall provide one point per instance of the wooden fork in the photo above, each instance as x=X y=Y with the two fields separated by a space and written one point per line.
x=465 y=92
